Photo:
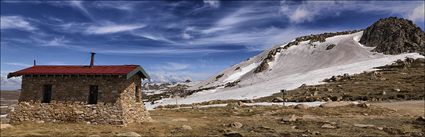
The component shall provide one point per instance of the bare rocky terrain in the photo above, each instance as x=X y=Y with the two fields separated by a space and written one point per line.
x=402 y=80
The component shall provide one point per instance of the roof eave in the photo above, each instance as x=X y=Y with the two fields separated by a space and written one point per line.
x=137 y=70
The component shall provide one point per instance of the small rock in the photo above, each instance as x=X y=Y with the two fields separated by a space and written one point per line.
x=316 y=93
x=316 y=133
x=39 y=122
x=328 y=126
x=79 y=112
x=421 y=118
x=240 y=103
x=294 y=127
x=397 y=89
x=186 y=127
x=236 y=125
x=94 y=136
x=291 y=118
x=383 y=93
x=128 y=134
x=364 y=105
x=363 y=125
x=4 y=126
x=301 y=106
x=379 y=128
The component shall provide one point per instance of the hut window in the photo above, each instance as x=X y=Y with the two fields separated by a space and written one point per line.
x=47 y=93
x=137 y=94
x=93 y=94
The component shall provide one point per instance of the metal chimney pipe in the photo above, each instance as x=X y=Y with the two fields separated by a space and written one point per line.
x=92 y=59
x=34 y=62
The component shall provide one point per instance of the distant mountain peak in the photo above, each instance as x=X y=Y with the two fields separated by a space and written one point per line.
x=394 y=35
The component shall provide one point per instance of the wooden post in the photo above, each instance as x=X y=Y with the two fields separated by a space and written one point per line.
x=283 y=96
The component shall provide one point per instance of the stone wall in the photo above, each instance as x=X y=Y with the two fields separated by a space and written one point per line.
x=116 y=105
x=133 y=111
x=67 y=112
x=73 y=88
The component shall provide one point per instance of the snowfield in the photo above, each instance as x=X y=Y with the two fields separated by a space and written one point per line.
x=299 y=64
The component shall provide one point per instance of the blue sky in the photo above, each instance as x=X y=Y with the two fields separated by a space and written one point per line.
x=172 y=40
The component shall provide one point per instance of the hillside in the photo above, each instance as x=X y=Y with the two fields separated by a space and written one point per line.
x=305 y=60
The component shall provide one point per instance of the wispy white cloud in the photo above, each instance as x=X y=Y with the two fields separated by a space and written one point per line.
x=79 y=5
x=154 y=37
x=307 y=11
x=172 y=66
x=50 y=41
x=212 y=3
x=114 y=28
x=16 y=22
x=120 y=5
x=256 y=39
x=418 y=14
x=233 y=20
x=17 y=64
x=157 y=51
x=186 y=33
x=207 y=4
x=176 y=72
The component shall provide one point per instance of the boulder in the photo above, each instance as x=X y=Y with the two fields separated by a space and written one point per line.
x=236 y=125
x=421 y=118
x=364 y=105
x=328 y=126
x=363 y=125
x=186 y=127
x=290 y=118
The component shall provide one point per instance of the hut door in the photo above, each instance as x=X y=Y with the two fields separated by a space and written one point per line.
x=93 y=94
x=137 y=94
x=47 y=93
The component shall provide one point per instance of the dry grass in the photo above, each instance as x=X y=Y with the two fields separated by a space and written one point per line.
x=257 y=121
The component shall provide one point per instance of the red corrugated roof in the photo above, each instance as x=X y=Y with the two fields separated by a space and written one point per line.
x=76 y=70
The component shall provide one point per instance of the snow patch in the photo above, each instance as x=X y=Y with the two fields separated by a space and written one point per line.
x=3 y=116
x=235 y=76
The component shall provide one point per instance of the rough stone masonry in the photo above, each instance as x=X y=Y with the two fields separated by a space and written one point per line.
x=118 y=100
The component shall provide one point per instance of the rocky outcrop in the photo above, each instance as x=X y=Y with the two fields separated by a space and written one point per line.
x=394 y=36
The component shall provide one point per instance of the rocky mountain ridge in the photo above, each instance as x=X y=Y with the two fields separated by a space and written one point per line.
x=394 y=36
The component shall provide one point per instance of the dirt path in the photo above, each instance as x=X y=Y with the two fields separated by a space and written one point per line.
x=415 y=108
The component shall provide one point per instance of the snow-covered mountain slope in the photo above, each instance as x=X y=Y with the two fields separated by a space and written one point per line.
x=304 y=63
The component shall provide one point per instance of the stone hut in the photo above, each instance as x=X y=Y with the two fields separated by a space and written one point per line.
x=91 y=94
